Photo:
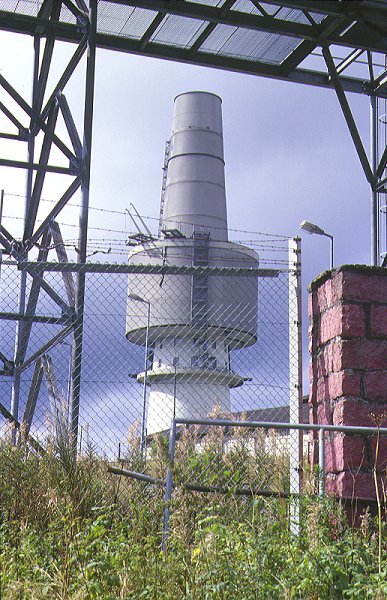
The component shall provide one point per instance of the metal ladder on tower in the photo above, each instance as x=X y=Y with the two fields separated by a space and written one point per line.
x=164 y=184
x=199 y=308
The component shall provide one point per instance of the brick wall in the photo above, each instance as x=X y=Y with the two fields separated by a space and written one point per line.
x=348 y=373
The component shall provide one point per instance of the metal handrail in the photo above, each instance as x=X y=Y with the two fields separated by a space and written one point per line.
x=269 y=425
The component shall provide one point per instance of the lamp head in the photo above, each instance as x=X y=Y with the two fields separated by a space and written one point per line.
x=137 y=298
x=311 y=228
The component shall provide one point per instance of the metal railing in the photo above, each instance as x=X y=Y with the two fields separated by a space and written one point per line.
x=252 y=425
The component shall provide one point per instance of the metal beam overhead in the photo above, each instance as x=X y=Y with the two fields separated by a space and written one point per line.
x=238 y=65
x=204 y=12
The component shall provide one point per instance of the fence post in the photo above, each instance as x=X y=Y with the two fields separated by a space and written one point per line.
x=321 y=462
x=295 y=376
x=169 y=484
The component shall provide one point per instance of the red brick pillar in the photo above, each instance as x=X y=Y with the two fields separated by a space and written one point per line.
x=348 y=373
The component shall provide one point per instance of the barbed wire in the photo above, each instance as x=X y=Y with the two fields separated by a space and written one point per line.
x=151 y=218
x=73 y=225
x=69 y=242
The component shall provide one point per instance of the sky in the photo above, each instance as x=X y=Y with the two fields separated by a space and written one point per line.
x=288 y=153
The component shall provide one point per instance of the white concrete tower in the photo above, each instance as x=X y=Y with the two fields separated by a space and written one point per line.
x=194 y=320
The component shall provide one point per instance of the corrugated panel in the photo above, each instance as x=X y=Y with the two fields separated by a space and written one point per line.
x=123 y=21
x=178 y=31
x=138 y=23
x=218 y=38
x=218 y=3
x=9 y=5
x=290 y=14
x=293 y=15
x=112 y=17
x=251 y=45
x=24 y=7
x=129 y=22
x=246 y=6
x=271 y=9
x=32 y=7
x=67 y=16
x=317 y=17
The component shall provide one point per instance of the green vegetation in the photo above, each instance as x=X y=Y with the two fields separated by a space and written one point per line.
x=70 y=530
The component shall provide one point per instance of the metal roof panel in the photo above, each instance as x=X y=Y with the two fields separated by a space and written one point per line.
x=178 y=31
x=251 y=45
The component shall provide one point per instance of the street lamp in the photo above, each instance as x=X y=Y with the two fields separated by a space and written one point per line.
x=137 y=298
x=312 y=228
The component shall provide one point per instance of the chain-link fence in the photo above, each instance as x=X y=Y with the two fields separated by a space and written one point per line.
x=158 y=342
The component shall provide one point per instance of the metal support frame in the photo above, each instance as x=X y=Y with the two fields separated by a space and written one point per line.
x=29 y=409
x=374 y=167
x=35 y=268
x=43 y=114
x=83 y=221
x=144 y=389
x=59 y=406
x=321 y=462
x=374 y=193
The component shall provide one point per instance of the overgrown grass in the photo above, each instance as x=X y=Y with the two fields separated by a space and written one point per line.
x=71 y=530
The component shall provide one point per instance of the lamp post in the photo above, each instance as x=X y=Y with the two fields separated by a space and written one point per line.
x=137 y=298
x=312 y=228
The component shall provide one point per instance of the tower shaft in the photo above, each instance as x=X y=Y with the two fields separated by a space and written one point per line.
x=195 y=320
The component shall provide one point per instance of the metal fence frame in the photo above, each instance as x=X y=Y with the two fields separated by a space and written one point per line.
x=297 y=427
x=293 y=344
x=68 y=318
x=302 y=428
